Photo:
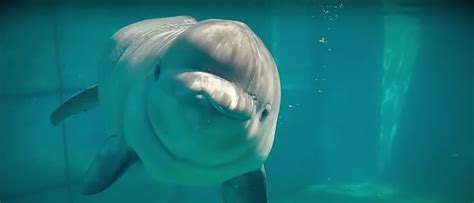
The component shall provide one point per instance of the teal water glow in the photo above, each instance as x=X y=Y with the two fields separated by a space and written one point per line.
x=377 y=99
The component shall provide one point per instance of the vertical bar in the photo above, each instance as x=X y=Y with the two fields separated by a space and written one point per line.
x=402 y=41
x=275 y=29
x=61 y=100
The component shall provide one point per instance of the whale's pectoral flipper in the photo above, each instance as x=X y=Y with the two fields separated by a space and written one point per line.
x=250 y=187
x=113 y=159
x=81 y=101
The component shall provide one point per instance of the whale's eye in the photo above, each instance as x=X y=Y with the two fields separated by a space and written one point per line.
x=265 y=112
x=157 y=71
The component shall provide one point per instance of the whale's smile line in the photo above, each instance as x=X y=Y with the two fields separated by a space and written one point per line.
x=225 y=96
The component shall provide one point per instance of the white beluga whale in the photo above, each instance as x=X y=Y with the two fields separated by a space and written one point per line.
x=196 y=103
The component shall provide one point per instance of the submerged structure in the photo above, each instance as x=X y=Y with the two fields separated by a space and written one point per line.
x=402 y=32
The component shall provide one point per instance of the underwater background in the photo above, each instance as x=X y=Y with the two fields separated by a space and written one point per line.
x=377 y=99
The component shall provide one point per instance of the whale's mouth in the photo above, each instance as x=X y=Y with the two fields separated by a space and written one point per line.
x=225 y=96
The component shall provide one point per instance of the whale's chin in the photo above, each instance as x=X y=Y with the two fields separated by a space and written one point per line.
x=202 y=135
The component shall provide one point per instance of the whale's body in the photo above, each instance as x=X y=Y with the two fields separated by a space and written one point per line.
x=195 y=102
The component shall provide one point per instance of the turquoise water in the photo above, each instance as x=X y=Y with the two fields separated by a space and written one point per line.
x=377 y=99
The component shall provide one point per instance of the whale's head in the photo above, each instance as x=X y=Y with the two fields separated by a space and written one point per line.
x=215 y=97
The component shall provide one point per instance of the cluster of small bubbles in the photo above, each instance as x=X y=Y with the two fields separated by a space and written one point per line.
x=331 y=11
x=291 y=105
x=318 y=80
x=330 y=14
x=318 y=83
x=323 y=40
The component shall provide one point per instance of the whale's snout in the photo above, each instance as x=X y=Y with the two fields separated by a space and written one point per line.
x=225 y=96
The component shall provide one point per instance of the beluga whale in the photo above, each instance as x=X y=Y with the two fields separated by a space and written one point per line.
x=195 y=103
